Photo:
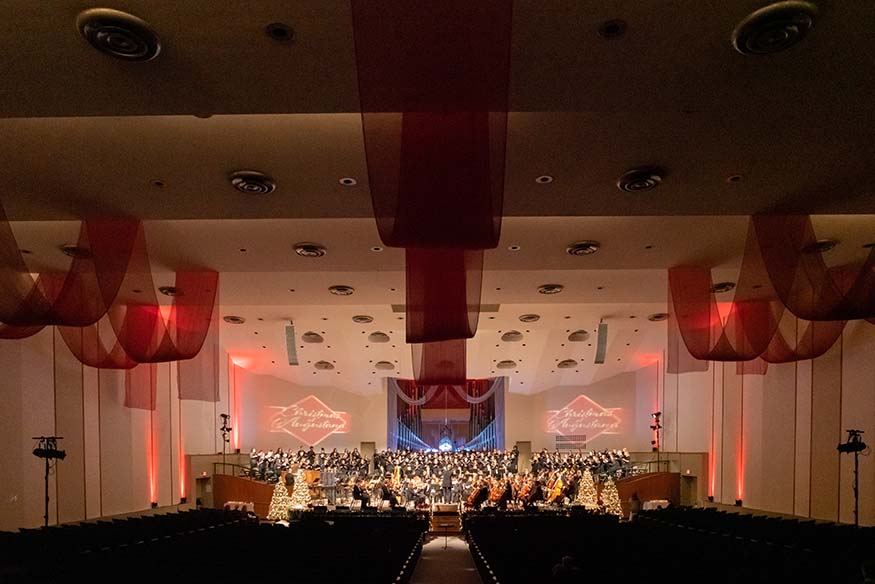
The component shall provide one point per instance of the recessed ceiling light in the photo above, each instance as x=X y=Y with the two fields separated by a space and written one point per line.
x=310 y=250
x=544 y=179
x=512 y=336
x=774 y=28
x=612 y=29
x=242 y=250
x=550 y=289
x=530 y=317
x=640 y=179
x=376 y=249
x=384 y=365
x=733 y=178
x=231 y=319
x=821 y=246
x=513 y=248
x=721 y=287
x=578 y=336
x=506 y=364
x=341 y=290
x=280 y=32
x=378 y=337
x=312 y=337
x=252 y=182
x=75 y=252
x=566 y=364
x=648 y=246
x=323 y=365
x=362 y=319
x=348 y=181
x=581 y=248
x=168 y=290
x=158 y=183
x=119 y=34
x=657 y=317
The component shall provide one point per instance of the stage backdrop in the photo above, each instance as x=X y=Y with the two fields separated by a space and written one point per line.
x=601 y=415
x=276 y=413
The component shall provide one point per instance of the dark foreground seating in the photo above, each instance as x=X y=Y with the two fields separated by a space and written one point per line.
x=679 y=544
x=210 y=545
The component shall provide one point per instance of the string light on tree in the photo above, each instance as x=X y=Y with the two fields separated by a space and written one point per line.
x=300 y=492
x=586 y=492
x=280 y=501
x=611 y=498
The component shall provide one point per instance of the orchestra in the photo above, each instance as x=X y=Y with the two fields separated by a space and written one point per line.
x=417 y=479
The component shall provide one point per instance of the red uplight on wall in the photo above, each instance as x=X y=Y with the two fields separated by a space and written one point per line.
x=151 y=461
x=235 y=407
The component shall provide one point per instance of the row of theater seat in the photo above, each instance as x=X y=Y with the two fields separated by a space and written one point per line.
x=671 y=544
x=208 y=544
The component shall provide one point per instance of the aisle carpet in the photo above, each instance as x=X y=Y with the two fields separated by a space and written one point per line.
x=453 y=564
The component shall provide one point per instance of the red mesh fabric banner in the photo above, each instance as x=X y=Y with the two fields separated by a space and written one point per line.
x=446 y=396
x=441 y=363
x=801 y=278
x=141 y=387
x=753 y=316
x=198 y=377
x=433 y=86
x=815 y=340
x=138 y=329
x=78 y=297
x=443 y=294
x=755 y=367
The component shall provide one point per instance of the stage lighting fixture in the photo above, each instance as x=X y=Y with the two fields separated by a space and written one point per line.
x=47 y=449
x=855 y=446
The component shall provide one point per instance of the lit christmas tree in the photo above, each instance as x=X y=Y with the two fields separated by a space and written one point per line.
x=611 y=498
x=280 y=501
x=300 y=492
x=586 y=493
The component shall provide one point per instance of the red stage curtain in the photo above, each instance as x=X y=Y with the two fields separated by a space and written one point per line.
x=141 y=386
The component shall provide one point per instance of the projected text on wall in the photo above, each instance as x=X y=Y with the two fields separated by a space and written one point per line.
x=309 y=420
x=583 y=416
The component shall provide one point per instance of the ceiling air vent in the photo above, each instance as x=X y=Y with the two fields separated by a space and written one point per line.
x=639 y=180
x=550 y=289
x=312 y=337
x=512 y=337
x=291 y=344
x=658 y=317
x=506 y=364
x=309 y=250
x=384 y=365
x=578 y=336
x=530 y=318
x=821 y=246
x=721 y=287
x=378 y=337
x=232 y=319
x=76 y=252
x=169 y=290
x=566 y=364
x=323 y=365
x=119 y=34
x=252 y=182
x=582 y=248
x=774 y=28
x=362 y=319
x=341 y=290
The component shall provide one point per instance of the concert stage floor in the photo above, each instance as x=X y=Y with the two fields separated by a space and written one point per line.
x=453 y=564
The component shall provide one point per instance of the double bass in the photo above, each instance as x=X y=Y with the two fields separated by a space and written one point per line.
x=556 y=490
x=495 y=492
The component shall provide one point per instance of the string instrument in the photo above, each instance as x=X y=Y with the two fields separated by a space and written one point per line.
x=495 y=493
x=556 y=490
x=524 y=492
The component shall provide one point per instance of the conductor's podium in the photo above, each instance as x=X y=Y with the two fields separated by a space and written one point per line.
x=445 y=519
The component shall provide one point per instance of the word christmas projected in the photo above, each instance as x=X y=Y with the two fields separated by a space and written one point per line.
x=309 y=420
x=583 y=416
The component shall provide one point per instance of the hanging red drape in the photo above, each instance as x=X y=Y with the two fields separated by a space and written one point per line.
x=78 y=296
x=433 y=84
x=440 y=363
x=141 y=387
x=801 y=278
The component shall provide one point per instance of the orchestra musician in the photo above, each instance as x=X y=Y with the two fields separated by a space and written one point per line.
x=360 y=493
x=479 y=495
x=506 y=496
x=535 y=494
x=387 y=494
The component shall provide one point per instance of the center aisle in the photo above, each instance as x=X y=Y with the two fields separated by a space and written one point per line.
x=439 y=565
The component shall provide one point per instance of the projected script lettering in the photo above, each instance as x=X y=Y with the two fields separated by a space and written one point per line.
x=583 y=416
x=309 y=420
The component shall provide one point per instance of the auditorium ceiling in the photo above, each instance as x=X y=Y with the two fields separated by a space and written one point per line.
x=84 y=134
